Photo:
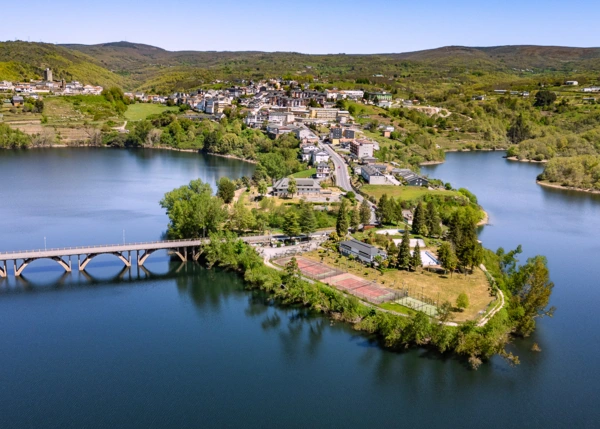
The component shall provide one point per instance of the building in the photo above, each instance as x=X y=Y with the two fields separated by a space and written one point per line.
x=376 y=97
x=323 y=113
x=17 y=101
x=410 y=177
x=361 y=148
x=592 y=89
x=319 y=156
x=362 y=251
x=372 y=175
x=48 y=75
x=335 y=134
x=571 y=83
x=304 y=187
x=306 y=153
x=323 y=170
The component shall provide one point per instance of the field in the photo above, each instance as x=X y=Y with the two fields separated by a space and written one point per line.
x=405 y=193
x=305 y=174
x=433 y=286
x=140 y=111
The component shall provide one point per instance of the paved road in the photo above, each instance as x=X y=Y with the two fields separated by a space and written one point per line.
x=342 y=178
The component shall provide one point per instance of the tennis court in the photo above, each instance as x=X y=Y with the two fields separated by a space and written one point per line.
x=418 y=305
x=342 y=280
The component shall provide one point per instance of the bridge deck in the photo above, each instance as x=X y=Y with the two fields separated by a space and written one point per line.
x=110 y=248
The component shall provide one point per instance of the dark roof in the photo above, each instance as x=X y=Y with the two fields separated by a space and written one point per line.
x=359 y=246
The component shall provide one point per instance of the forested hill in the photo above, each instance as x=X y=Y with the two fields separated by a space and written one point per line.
x=139 y=66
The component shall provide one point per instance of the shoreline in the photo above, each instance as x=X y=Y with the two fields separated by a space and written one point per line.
x=566 y=188
x=533 y=161
x=200 y=151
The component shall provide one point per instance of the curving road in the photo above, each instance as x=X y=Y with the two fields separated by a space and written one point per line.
x=342 y=178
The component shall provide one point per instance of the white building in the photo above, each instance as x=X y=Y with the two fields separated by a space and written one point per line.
x=319 y=156
x=361 y=148
x=372 y=175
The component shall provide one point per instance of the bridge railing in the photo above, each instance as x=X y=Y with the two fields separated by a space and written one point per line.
x=96 y=246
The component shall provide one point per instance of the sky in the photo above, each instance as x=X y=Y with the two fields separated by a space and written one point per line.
x=310 y=26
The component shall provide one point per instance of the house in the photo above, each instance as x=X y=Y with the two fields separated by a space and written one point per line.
x=478 y=98
x=378 y=96
x=303 y=187
x=335 y=134
x=323 y=170
x=361 y=148
x=592 y=89
x=362 y=251
x=410 y=177
x=17 y=101
x=319 y=156
x=386 y=104
x=306 y=153
x=372 y=175
x=571 y=83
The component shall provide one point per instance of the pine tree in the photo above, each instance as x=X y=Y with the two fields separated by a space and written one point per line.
x=447 y=257
x=365 y=212
x=355 y=219
x=341 y=225
x=403 y=260
x=419 y=227
x=415 y=260
x=308 y=221
x=291 y=228
x=292 y=187
x=432 y=220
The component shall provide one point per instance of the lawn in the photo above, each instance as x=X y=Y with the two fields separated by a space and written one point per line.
x=139 y=111
x=405 y=193
x=305 y=174
x=434 y=286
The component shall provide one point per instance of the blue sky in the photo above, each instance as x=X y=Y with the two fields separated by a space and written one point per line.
x=311 y=26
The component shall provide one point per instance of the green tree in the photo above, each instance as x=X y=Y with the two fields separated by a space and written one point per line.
x=292 y=187
x=403 y=259
x=432 y=220
x=365 y=212
x=291 y=227
x=447 y=257
x=531 y=288
x=241 y=217
x=342 y=225
x=308 y=221
x=415 y=260
x=518 y=130
x=386 y=209
x=419 y=225
x=544 y=98
x=193 y=211
x=225 y=189
x=262 y=188
x=355 y=219
x=462 y=301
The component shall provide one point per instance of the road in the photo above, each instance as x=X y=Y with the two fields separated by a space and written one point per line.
x=342 y=177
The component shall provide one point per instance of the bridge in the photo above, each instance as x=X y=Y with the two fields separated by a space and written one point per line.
x=184 y=249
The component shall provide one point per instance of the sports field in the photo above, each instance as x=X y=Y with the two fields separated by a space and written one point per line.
x=355 y=285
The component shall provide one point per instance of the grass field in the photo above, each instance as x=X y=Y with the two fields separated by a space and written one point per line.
x=431 y=285
x=405 y=193
x=305 y=174
x=139 y=111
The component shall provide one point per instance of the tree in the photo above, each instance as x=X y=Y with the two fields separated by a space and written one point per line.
x=462 y=302
x=518 y=130
x=447 y=257
x=419 y=225
x=193 y=211
x=308 y=221
x=544 y=98
x=291 y=227
x=432 y=220
x=365 y=212
x=341 y=225
x=531 y=288
x=403 y=260
x=292 y=187
x=386 y=209
x=355 y=219
x=262 y=188
x=241 y=217
x=225 y=189
x=415 y=260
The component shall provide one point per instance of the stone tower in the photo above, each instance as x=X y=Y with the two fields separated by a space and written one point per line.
x=48 y=75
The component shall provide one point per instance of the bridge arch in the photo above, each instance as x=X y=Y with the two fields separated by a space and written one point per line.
x=19 y=268
x=89 y=257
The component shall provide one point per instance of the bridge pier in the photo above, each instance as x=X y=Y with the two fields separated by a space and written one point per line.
x=3 y=271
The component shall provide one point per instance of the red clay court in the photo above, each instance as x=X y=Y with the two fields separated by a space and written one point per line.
x=348 y=282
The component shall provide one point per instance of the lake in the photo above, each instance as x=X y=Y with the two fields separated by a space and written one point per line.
x=176 y=345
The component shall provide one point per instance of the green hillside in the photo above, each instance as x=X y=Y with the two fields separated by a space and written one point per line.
x=28 y=60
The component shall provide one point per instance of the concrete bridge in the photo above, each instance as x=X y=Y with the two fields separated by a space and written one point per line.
x=184 y=249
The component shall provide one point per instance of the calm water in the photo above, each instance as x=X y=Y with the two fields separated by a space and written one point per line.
x=180 y=346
